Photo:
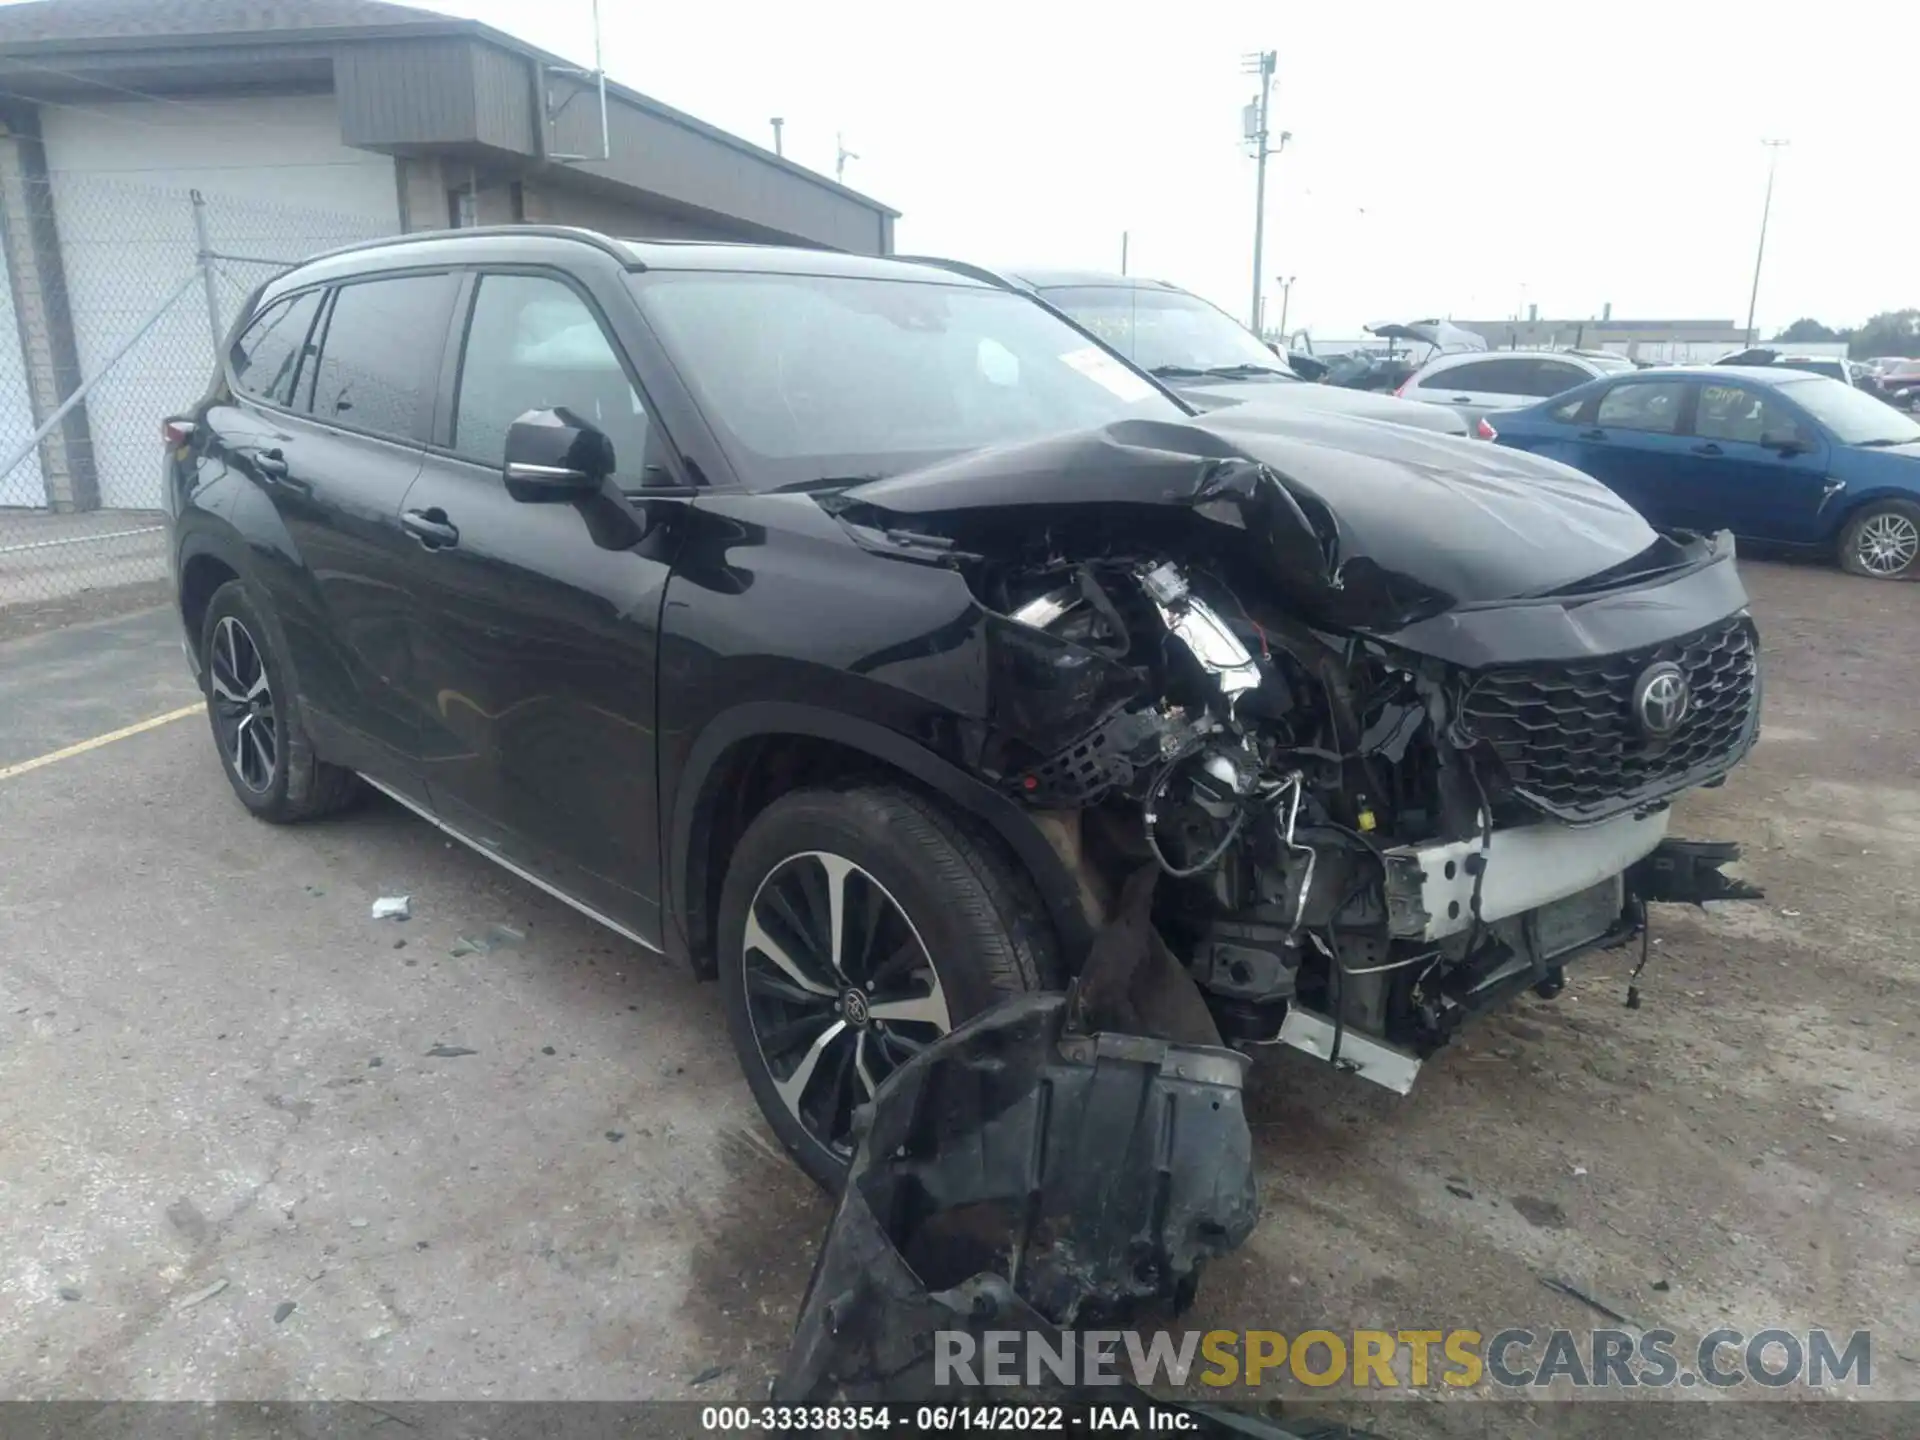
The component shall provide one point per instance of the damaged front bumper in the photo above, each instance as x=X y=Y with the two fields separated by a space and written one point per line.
x=1545 y=895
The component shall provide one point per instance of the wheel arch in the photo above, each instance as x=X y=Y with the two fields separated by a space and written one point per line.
x=737 y=766
x=206 y=560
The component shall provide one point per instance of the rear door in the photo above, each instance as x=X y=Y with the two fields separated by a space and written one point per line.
x=1475 y=386
x=1755 y=465
x=332 y=432
x=1544 y=378
x=536 y=626
x=1633 y=441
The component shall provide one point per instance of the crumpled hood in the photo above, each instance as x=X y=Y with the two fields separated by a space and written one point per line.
x=1294 y=396
x=1361 y=525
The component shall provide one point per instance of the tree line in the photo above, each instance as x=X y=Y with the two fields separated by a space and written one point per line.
x=1891 y=332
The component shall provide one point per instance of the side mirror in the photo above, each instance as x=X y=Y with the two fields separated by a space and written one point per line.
x=554 y=455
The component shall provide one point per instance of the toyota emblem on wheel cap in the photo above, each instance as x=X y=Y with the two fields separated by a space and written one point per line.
x=1661 y=699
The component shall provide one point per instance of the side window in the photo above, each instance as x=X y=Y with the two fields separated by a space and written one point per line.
x=1568 y=411
x=533 y=344
x=1552 y=377
x=1740 y=415
x=1487 y=377
x=381 y=339
x=266 y=358
x=1642 y=405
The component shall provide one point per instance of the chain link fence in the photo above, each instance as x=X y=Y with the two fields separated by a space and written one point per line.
x=115 y=293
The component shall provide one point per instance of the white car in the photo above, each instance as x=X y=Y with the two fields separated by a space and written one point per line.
x=1478 y=382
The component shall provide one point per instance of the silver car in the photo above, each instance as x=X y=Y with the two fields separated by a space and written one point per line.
x=1478 y=384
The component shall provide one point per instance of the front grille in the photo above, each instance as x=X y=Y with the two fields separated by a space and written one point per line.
x=1569 y=744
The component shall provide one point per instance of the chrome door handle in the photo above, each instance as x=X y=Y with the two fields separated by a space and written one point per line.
x=430 y=528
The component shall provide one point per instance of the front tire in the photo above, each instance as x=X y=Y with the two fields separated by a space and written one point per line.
x=263 y=746
x=1882 y=542
x=857 y=927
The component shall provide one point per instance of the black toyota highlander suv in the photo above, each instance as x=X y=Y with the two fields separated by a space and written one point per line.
x=879 y=643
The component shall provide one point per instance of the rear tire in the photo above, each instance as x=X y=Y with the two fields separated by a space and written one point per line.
x=1882 y=542
x=263 y=746
x=935 y=926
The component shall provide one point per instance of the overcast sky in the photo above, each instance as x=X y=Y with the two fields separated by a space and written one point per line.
x=1445 y=159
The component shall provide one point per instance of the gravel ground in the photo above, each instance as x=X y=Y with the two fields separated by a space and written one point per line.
x=217 y=1099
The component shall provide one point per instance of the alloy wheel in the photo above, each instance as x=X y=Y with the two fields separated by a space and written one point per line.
x=840 y=989
x=243 y=710
x=1887 y=544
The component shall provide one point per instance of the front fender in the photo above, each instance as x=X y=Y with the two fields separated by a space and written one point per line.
x=705 y=769
x=1851 y=501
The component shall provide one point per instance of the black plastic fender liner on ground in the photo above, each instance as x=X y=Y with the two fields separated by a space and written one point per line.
x=1022 y=1174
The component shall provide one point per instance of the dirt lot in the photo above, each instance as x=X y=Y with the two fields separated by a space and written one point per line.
x=217 y=1099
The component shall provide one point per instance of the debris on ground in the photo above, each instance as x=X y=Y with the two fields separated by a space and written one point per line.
x=67 y=1292
x=358 y=1222
x=393 y=907
x=1662 y=1286
x=1024 y=1172
x=282 y=1311
x=199 y=1296
x=1587 y=1296
x=494 y=937
x=450 y=1052
x=712 y=1372
x=1459 y=1192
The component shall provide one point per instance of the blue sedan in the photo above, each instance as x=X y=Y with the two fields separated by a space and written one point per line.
x=1779 y=456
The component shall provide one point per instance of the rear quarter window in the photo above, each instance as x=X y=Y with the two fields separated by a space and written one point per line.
x=267 y=357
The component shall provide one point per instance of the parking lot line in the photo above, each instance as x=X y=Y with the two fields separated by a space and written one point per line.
x=67 y=752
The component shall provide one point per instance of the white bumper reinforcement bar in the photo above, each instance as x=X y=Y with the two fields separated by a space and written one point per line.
x=1430 y=887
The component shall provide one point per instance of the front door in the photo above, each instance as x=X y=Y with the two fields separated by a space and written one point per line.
x=536 y=626
x=1754 y=467
x=336 y=403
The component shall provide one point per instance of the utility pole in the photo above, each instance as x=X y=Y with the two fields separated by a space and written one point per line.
x=1766 y=209
x=1286 y=296
x=777 y=122
x=1255 y=126
x=1123 y=252
x=840 y=160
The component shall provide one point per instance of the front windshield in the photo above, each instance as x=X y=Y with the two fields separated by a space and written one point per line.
x=1853 y=416
x=1166 y=331
x=814 y=377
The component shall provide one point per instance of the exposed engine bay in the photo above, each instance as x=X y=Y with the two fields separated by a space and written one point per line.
x=1384 y=780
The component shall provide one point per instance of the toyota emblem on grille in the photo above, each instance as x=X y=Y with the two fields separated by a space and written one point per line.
x=1661 y=699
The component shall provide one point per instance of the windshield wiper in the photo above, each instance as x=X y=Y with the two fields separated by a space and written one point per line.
x=823 y=482
x=1882 y=441
x=1175 y=372
x=1236 y=371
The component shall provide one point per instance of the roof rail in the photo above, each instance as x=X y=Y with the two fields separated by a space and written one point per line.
x=962 y=267
x=546 y=232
